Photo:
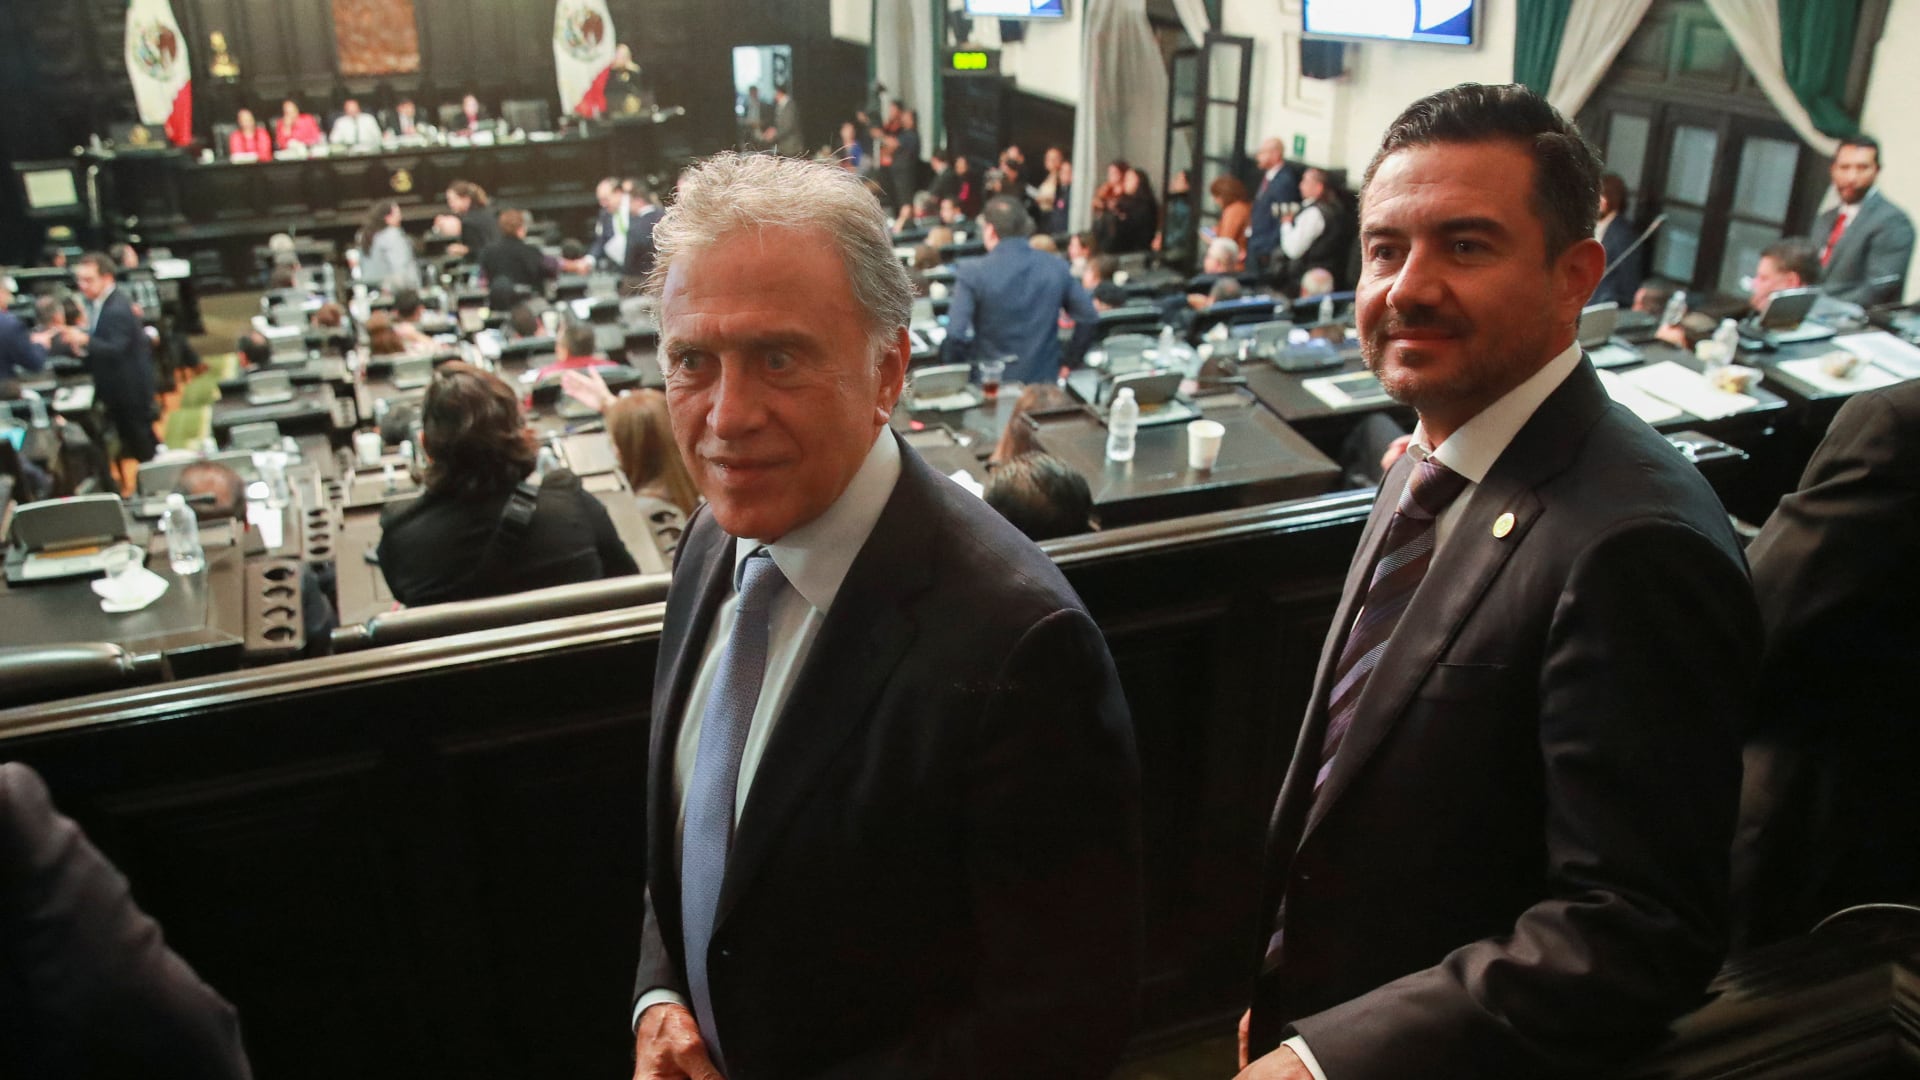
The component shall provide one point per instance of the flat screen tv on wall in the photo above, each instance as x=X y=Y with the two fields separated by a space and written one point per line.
x=1428 y=22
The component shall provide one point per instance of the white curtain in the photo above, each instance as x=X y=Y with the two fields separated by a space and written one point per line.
x=1596 y=32
x=903 y=60
x=1754 y=26
x=1123 y=100
x=1193 y=19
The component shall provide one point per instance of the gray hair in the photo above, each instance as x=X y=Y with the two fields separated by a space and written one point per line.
x=731 y=193
x=1223 y=249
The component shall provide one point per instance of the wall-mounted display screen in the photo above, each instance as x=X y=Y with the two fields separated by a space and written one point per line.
x=1431 y=22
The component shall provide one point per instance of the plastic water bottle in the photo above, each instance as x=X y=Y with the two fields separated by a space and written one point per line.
x=1326 y=309
x=184 y=552
x=1122 y=421
x=1166 y=346
x=1727 y=342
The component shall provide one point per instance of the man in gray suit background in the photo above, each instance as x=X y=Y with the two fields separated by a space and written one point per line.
x=1865 y=242
x=785 y=132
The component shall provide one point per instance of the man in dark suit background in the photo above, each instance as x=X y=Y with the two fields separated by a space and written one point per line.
x=784 y=134
x=1272 y=191
x=1829 y=813
x=90 y=989
x=1865 y=242
x=893 y=801
x=623 y=233
x=1616 y=235
x=118 y=355
x=22 y=351
x=1008 y=302
x=1500 y=848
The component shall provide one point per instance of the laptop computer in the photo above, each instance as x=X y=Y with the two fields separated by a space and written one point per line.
x=1786 y=309
x=269 y=388
x=1597 y=323
x=62 y=538
x=943 y=387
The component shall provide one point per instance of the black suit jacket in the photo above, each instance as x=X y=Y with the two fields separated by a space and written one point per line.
x=640 y=250
x=1517 y=865
x=87 y=986
x=1829 y=812
x=1624 y=280
x=118 y=355
x=936 y=873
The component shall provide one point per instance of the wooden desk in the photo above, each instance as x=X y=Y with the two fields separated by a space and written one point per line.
x=1325 y=426
x=1262 y=460
x=310 y=412
x=198 y=624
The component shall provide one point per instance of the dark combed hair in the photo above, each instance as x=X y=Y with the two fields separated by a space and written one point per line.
x=1041 y=495
x=1566 y=170
x=578 y=339
x=1864 y=142
x=1007 y=217
x=476 y=442
x=1797 y=255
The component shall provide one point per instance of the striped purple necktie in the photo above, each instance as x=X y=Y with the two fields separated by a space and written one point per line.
x=1407 y=551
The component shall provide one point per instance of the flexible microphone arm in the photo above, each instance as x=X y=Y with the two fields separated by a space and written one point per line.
x=1635 y=246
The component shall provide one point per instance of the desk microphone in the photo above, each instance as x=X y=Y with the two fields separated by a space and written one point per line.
x=1635 y=246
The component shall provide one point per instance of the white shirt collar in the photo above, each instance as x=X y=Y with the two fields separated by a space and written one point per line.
x=1600 y=227
x=1472 y=450
x=1275 y=171
x=816 y=556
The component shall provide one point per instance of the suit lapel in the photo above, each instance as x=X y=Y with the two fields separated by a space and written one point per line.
x=860 y=644
x=1306 y=754
x=1463 y=569
x=706 y=567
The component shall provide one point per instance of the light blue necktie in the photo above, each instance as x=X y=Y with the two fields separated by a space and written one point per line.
x=707 y=834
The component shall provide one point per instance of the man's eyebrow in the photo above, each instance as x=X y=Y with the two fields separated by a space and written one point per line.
x=1472 y=224
x=759 y=342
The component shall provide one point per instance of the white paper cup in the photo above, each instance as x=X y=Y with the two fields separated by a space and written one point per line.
x=1203 y=444
x=367 y=447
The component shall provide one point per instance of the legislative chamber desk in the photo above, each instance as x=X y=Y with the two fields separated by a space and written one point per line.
x=188 y=206
x=197 y=625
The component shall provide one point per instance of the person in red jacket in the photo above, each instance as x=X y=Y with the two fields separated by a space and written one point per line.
x=295 y=126
x=249 y=138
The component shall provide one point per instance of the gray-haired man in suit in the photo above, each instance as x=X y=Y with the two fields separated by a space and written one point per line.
x=1865 y=242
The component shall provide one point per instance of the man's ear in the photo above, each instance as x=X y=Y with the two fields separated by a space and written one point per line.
x=1579 y=270
x=893 y=361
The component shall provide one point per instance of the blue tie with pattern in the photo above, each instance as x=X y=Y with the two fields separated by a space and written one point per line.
x=707 y=834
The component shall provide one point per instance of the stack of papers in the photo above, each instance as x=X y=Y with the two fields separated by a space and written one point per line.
x=1642 y=405
x=1813 y=372
x=1884 y=350
x=1678 y=385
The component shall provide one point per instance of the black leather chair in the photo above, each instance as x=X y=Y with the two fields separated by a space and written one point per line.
x=32 y=674
x=466 y=616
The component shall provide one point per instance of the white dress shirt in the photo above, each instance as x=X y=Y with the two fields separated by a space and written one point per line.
x=1600 y=226
x=1471 y=452
x=616 y=249
x=361 y=131
x=814 y=559
x=1298 y=235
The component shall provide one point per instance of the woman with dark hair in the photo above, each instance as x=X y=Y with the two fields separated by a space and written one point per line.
x=643 y=440
x=386 y=254
x=382 y=338
x=1236 y=210
x=486 y=526
x=1136 y=213
x=478 y=228
x=1616 y=234
x=1017 y=437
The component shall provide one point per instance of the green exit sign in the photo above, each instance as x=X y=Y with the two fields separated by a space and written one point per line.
x=973 y=62
x=1299 y=146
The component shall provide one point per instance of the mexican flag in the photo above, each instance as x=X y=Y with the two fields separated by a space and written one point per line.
x=157 y=64
x=582 y=54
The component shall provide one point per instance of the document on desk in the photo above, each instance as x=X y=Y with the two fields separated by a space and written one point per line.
x=1352 y=388
x=1679 y=385
x=1641 y=404
x=1884 y=350
x=1812 y=370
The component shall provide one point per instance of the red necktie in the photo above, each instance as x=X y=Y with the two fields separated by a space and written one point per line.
x=1839 y=226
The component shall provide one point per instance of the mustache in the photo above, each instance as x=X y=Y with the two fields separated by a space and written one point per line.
x=1421 y=318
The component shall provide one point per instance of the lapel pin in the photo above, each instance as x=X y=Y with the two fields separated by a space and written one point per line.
x=1503 y=525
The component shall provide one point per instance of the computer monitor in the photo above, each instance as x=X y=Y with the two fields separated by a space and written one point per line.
x=1786 y=308
x=1597 y=322
x=49 y=189
x=527 y=114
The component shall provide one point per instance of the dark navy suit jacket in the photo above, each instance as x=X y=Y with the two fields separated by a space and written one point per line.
x=1008 y=303
x=18 y=351
x=1263 y=235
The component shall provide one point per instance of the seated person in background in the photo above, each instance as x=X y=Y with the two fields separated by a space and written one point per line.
x=91 y=989
x=382 y=339
x=125 y=256
x=921 y=212
x=1107 y=296
x=472 y=116
x=1616 y=235
x=1081 y=248
x=1222 y=258
x=249 y=138
x=22 y=351
x=456 y=541
x=53 y=313
x=1652 y=296
x=1789 y=263
x=355 y=130
x=1017 y=437
x=510 y=261
x=1316 y=282
x=1865 y=242
x=938 y=238
x=1043 y=242
x=229 y=493
x=573 y=350
x=522 y=323
x=407 y=313
x=328 y=317
x=295 y=128
x=643 y=438
x=925 y=257
x=951 y=215
x=1042 y=496
x=1099 y=268
x=257 y=352
x=1055 y=220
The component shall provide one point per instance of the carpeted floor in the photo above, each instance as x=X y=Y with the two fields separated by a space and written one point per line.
x=226 y=316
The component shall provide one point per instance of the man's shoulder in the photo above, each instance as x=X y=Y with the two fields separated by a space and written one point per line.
x=980 y=559
x=1627 y=474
